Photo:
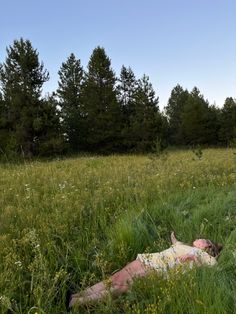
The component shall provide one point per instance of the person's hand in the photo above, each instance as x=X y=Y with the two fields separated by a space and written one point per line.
x=187 y=258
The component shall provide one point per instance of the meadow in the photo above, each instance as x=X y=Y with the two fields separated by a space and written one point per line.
x=68 y=223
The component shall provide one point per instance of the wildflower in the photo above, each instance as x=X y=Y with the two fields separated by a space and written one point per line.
x=5 y=301
x=18 y=263
x=185 y=213
x=62 y=185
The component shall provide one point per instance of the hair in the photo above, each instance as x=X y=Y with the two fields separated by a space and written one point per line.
x=214 y=249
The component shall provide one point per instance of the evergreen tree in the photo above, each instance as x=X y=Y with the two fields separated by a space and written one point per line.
x=50 y=140
x=102 y=110
x=145 y=121
x=3 y=124
x=227 y=132
x=127 y=88
x=194 y=119
x=21 y=78
x=69 y=91
x=212 y=125
x=173 y=110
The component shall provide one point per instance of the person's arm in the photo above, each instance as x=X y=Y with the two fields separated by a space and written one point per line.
x=174 y=241
x=189 y=258
x=200 y=259
x=173 y=238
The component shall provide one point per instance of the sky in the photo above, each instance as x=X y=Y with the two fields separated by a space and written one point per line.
x=186 y=42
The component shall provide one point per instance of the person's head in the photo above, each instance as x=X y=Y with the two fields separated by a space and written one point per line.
x=210 y=247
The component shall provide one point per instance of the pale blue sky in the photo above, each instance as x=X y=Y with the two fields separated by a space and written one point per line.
x=190 y=42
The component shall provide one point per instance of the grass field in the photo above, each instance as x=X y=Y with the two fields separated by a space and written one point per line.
x=70 y=223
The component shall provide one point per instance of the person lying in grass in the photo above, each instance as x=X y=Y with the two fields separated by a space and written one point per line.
x=201 y=252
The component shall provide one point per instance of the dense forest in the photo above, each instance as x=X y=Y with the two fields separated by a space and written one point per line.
x=95 y=111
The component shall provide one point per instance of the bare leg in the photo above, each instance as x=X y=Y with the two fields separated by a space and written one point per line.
x=97 y=288
x=119 y=283
x=123 y=279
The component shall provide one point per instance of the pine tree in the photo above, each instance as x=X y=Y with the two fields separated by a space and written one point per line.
x=173 y=111
x=127 y=88
x=194 y=119
x=22 y=78
x=50 y=140
x=69 y=91
x=102 y=111
x=212 y=125
x=227 y=132
x=145 y=121
x=3 y=125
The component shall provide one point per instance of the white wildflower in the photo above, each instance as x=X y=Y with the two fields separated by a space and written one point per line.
x=18 y=263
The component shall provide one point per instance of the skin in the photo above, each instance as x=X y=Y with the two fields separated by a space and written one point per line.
x=119 y=283
x=122 y=280
x=201 y=243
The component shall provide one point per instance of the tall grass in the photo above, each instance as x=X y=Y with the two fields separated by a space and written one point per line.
x=66 y=224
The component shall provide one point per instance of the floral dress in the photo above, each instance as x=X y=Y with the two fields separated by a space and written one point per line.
x=170 y=258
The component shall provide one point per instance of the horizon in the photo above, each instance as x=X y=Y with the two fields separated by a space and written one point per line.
x=184 y=43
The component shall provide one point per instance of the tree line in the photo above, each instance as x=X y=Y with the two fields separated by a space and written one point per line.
x=94 y=111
